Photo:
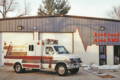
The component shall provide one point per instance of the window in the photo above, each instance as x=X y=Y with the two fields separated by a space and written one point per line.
x=31 y=47
x=49 y=50
x=102 y=55
x=61 y=50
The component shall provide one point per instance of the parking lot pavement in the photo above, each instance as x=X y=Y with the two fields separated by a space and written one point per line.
x=7 y=73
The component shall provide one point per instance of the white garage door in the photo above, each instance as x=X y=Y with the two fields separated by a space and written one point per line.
x=11 y=37
x=0 y=49
x=17 y=36
x=64 y=39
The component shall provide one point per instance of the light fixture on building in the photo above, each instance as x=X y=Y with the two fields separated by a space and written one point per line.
x=102 y=28
x=61 y=15
x=35 y=28
x=19 y=27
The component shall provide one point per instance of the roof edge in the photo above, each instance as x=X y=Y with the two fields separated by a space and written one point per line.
x=71 y=16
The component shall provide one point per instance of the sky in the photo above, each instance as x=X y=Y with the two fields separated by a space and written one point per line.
x=89 y=8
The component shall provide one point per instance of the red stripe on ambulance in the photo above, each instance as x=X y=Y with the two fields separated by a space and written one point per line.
x=9 y=64
x=22 y=57
x=27 y=57
x=8 y=50
x=31 y=57
x=31 y=66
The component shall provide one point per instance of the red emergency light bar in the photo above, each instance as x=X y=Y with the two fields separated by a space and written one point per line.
x=47 y=39
x=55 y=40
x=51 y=40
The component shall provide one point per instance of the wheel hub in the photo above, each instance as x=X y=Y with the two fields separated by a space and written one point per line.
x=61 y=70
x=18 y=68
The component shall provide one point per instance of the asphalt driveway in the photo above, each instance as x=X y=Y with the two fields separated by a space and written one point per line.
x=7 y=73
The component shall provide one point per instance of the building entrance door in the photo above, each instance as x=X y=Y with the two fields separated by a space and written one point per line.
x=116 y=55
x=102 y=55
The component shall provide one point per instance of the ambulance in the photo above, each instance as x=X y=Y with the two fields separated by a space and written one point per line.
x=40 y=55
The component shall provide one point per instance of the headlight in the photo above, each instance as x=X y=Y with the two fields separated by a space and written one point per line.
x=71 y=61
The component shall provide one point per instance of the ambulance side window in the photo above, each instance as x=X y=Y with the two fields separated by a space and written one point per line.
x=31 y=47
x=49 y=49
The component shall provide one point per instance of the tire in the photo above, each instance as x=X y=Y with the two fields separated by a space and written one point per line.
x=23 y=70
x=18 y=68
x=61 y=72
x=75 y=70
x=35 y=70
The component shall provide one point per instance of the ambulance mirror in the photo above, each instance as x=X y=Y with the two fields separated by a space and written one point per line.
x=47 y=51
x=51 y=53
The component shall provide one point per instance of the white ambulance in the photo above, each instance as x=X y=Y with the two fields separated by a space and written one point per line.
x=40 y=55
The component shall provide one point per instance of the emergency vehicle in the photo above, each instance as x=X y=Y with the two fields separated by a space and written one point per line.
x=40 y=55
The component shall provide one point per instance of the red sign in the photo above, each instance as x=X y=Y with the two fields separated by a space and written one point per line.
x=108 y=40
x=106 y=35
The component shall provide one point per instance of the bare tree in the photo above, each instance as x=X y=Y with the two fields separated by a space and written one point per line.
x=26 y=10
x=114 y=13
x=11 y=5
x=7 y=6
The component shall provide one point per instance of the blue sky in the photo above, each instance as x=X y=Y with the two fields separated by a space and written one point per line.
x=90 y=8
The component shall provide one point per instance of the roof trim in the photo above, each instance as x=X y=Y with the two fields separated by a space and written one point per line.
x=70 y=16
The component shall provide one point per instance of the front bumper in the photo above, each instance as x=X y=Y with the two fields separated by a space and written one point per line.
x=71 y=66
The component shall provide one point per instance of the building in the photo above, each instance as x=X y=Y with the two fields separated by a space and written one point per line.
x=95 y=40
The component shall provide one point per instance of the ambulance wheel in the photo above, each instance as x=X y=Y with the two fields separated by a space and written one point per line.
x=23 y=70
x=36 y=70
x=61 y=70
x=18 y=68
x=75 y=70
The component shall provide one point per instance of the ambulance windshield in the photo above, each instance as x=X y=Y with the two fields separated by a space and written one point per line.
x=61 y=50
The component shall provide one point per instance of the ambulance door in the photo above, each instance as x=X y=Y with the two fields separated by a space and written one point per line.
x=47 y=57
x=31 y=54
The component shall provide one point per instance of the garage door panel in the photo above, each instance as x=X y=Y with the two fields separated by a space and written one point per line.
x=17 y=36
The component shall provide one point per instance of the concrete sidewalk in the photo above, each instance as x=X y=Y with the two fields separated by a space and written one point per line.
x=7 y=73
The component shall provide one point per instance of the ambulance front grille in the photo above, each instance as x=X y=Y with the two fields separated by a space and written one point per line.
x=77 y=60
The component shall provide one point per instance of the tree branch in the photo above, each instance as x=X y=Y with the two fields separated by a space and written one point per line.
x=26 y=10
x=114 y=13
x=9 y=6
